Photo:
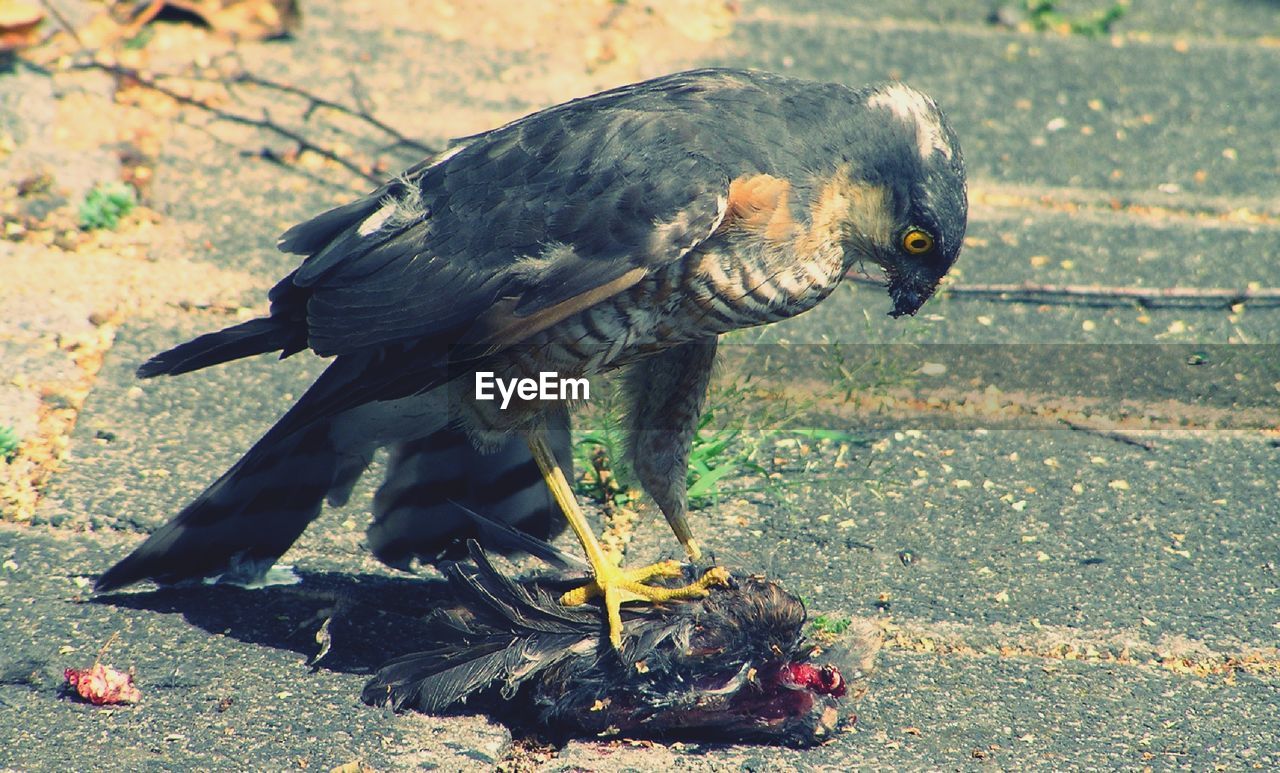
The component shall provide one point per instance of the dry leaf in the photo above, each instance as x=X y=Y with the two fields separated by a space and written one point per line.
x=245 y=19
x=18 y=23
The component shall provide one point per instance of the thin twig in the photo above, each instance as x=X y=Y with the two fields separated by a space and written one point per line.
x=102 y=653
x=264 y=123
x=1028 y=292
x=314 y=102
x=1109 y=434
x=1144 y=296
x=360 y=94
x=62 y=21
x=265 y=154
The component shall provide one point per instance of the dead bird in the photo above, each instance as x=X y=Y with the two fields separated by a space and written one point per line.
x=735 y=665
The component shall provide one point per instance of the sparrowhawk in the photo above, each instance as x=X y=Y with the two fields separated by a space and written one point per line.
x=628 y=229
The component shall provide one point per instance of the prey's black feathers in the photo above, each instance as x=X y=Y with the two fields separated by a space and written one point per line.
x=509 y=636
x=734 y=665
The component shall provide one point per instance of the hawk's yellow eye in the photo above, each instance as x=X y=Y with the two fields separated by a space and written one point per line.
x=917 y=242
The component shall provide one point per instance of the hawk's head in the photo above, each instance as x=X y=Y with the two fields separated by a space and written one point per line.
x=906 y=194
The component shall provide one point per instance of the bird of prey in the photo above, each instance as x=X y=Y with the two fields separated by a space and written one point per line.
x=628 y=229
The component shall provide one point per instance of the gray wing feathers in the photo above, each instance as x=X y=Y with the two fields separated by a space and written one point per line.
x=432 y=485
x=540 y=211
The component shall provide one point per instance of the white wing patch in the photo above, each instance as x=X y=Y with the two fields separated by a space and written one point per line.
x=448 y=154
x=912 y=107
x=374 y=222
x=407 y=209
x=530 y=267
x=395 y=212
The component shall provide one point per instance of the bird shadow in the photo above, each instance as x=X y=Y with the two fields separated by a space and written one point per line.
x=352 y=624
x=337 y=621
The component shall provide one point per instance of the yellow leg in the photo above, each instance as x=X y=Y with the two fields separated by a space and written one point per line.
x=615 y=584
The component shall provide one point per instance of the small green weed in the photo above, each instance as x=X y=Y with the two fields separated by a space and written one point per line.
x=876 y=364
x=833 y=626
x=140 y=41
x=105 y=205
x=1044 y=16
x=861 y=368
x=738 y=429
x=740 y=418
x=9 y=443
x=717 y=454
x=598 y=452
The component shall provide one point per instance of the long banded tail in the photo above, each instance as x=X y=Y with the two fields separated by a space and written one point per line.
x=242 y=523
x=420 y=509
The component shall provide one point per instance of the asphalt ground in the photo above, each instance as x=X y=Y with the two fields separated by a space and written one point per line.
x=1051 y=597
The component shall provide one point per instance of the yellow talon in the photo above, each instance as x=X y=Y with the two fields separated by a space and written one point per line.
x=619 y=586
x=616 y=585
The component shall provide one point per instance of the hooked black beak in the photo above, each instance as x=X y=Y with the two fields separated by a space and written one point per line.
x=908 y=296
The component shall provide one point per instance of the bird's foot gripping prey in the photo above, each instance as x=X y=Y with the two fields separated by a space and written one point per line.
x=613 y=584
x=624 y=230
